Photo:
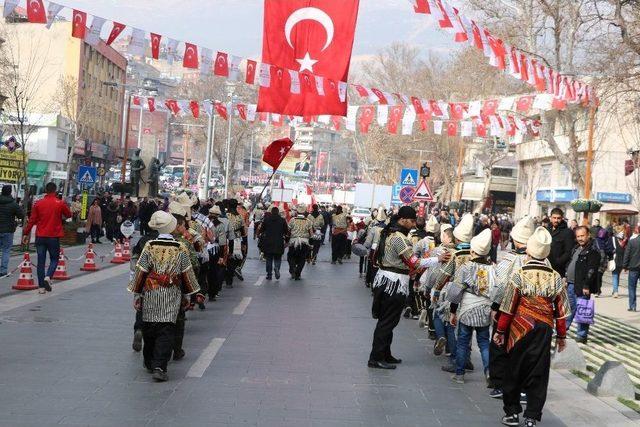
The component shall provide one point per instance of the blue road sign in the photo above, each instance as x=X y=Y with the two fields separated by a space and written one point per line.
x=87 y=175
x=409 y=177
x=395 y=197
x=406 y=194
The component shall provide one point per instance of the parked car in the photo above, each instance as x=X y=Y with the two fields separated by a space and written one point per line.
x=360 y=214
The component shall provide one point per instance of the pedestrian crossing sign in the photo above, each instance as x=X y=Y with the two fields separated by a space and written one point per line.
x=409 y=177
x=423 y=193
x=87 y=175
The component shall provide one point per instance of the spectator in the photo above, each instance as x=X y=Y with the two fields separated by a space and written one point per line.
x=582 y=276
x=603 y=241
x=94 y=221
x=9 y=211
x=76 y=206
x=595 y=228
x=618 y=243
x=495 y=241
x=562 y=242
x=272 y=234
x=573 y=224
x=631 y=263
x=47 y=215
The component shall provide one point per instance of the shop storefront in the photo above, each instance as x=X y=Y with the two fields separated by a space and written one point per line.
x=556 y=198
x=616 y=207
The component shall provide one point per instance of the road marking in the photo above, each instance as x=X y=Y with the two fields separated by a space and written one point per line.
x=242 y=306
x=205 y=358
x=28 y=297
x=259 y=281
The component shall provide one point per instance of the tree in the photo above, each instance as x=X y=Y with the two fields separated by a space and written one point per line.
x=23 y=73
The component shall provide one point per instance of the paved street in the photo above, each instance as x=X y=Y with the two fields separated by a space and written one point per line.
x=278 y=353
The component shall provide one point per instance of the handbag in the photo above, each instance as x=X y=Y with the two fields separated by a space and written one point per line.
x=585 y=311
x=611 y=265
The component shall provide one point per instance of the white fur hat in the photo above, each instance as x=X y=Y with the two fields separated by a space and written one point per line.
x=523 y=230
x=215 y=210
x=431 y=224
x=481 y=244
x=464 y=230
x=163 y=221
x=539 y=244
x=443 y=228
x=177 y=208
x=301 y=208
x=382 y=214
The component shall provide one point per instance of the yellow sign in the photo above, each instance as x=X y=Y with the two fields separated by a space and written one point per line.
x=85 y=205
x=11 y=166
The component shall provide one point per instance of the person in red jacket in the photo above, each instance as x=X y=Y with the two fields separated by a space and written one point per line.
x=47 y=215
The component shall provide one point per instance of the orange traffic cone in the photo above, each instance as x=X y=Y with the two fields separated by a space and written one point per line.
x=117 y=257
x=25 y=281
x=61 y=269
x=126 y=250
x=90 y=260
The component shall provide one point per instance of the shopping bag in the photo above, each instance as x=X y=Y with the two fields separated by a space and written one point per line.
x=585 y=311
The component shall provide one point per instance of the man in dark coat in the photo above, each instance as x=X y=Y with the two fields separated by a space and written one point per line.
x=582 y=276
x=562 y=242
x=273 y=232
x=9 y=211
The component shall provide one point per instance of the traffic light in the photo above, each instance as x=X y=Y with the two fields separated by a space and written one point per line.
x=425 y=171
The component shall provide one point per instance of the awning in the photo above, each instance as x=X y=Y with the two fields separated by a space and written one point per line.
x=618 y=209
x=472 y=191
x=37 y=168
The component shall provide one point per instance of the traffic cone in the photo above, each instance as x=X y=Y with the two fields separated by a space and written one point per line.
x=61 y=269
x=117 y=257
x=25 y=281
x=90 y=260
x=126 y=250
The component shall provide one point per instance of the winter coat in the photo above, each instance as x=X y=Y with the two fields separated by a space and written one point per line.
x=587 y=266
x=562 y=244
x=273 y=232
x=9 y=211
x=94 y=217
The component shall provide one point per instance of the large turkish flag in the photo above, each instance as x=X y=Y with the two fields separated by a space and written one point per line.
x=309 y=36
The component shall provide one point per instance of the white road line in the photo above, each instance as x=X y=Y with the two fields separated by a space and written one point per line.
x=242 y=306
x=59 y=288
x=205 y=359
x=259 y=281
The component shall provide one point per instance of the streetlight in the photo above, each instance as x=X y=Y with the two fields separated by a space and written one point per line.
x=231 y=87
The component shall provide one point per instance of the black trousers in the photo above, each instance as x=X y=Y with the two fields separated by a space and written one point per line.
x=371 y=270
x=297 y=257
x=95 y=232
x=338 y=245
x=498 y=360
x=158 y=343
x=362 y=265
x=389 y=309
x=138 y=323
x=528 y=371
x=232 y=263
x=203 y=275
x=215 y=275
x=179 y=330
x=315 y=248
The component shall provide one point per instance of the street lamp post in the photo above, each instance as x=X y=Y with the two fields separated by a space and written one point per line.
x=231 y=87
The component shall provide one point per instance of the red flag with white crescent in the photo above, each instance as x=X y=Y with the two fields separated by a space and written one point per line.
x=312 y=36
x=190 y=59
x=36 y=12
x=242 y=111
x=155 y=45
x=172 y=105
x=250 y=77
x=221 y=67
x=221 y=110
x=151 y=102
x=275 y=152
x=79 y=24
x=115 y=32
x=195 y=109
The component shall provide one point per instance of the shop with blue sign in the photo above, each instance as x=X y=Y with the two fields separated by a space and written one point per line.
x=624 y=198
x=560 y=195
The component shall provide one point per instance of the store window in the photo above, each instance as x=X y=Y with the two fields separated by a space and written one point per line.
x=545 y=175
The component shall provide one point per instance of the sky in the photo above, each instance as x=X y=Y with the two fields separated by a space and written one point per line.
x=235 y=26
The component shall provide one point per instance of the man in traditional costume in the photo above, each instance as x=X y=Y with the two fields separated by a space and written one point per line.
x=237 y=232
x=218 y=252
x=300 y=231
x=535 y=298
x=371 y=243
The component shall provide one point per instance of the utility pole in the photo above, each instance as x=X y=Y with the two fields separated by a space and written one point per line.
x=211 y=131
x=589 y=165
x=230 y=89
x=459 y=175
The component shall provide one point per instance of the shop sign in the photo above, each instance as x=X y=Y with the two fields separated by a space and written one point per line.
x=614 y=197
x=557 y=195
x=11 y=166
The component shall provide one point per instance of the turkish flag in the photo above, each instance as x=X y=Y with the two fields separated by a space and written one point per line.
x=195 y=109
x=435 y=108
x=366 y=117
x=155 y=45
x=383 y=99
x=457 y=110
x=523 y=104
x=221 y=110
x=79 y=24
x=452 y=128
x=136 y=100
x=276 y=152
x=422 y=118
x=115 y=32
x=190 y=59
x=314 y=36
x=221 y=67
x=250 y=77
x=481 y=129
x=417 y=105
x=172 y=105
x=490 y=107
x=36 y=12
x=242 y=111
x=421 y=6
x=151 y=102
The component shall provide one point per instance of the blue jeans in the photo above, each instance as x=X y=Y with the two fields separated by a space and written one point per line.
x=6 y=241
x=615 y=281
x=464 y=346
x=633 y=284
x=444 y=329
x=44 y=245
x=582 y=329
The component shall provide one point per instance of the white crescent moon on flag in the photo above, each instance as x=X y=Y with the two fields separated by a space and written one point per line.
x=314 y=14
x=190 y=49
x=35 y=5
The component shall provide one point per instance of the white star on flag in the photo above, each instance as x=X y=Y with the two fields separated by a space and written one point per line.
x=306 y=63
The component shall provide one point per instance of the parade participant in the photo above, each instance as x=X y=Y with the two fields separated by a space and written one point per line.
x=258 y=215
x=338 y=235
x=422 y=248
x=135 y=256
x=535 y=297
x=47 y=215
x=511 y=262
x=395 y=260
x=163 y=276
x=273 y=232
x=371 y=243
x=300 y=231
x=317 y=221
x=237 y=232
x=414 y=303
x=9 y=212
x=582 y=277
x=218 y=252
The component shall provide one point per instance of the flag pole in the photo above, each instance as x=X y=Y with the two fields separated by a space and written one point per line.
x=267 y=183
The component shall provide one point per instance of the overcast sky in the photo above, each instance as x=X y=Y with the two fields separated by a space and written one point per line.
x=235 y=26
